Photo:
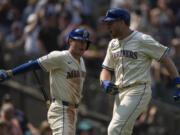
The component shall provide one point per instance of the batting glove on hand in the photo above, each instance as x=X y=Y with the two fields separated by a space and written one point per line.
x=3 y=75
x=177 y=90
x=109 y=87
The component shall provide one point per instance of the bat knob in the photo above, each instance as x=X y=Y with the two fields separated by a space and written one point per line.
x=48 y=103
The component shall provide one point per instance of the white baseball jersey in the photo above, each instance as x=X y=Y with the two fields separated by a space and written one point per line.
x=131 y=58
x=66 y=75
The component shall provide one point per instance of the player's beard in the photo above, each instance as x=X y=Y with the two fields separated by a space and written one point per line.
x=79 y=52
x=115 y=33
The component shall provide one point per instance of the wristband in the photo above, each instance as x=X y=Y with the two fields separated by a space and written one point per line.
x=177 y=82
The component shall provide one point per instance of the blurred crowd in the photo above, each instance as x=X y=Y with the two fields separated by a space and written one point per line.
x=152 y=121
x=13 y=121
x=32 y=28
x=42 y=26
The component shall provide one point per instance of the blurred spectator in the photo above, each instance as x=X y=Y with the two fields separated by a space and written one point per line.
x=156 y=79
x=29 y=9
x=139 y=15
x=13 y=40
x=176 y=55
x=44 y=128
x=121 y=3
x=1 y=50
x=47 y=6
x=49 y=33
x=166 y=14
x=75 y=7
x=5 y=128
x=14 y=44
x=77 y=12
x=19 y=115
x=31 y=31
x=146 y=119
x=101 y=40
x=40 y=4
x=19 y=4
x=174 y=5
x=96 y=51
x=161 y=23
x=7 y=114
x=84 y=128
x=8 y=14
x=64 y=21
x=87 y=13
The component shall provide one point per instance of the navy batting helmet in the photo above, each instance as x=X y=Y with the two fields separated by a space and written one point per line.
x=80 y=34
x=117 y=14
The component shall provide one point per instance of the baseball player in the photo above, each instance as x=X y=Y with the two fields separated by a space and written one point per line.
x=67 y=74
x=129 y=56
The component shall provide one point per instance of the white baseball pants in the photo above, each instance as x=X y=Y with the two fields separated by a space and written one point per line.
x=62 y=118
x=128 y=105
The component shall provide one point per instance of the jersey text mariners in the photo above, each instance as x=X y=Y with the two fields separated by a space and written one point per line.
x=66 y=75
x=131 y=57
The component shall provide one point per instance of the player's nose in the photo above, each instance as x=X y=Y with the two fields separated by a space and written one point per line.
x=109 y=26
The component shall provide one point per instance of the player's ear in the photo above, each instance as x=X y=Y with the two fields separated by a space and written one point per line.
x=123 y=22
x=70 y=40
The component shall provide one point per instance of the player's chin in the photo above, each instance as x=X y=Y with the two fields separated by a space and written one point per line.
x=82 y=51
x=112 y=34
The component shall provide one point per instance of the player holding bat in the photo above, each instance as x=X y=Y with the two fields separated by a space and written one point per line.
x=67 y=74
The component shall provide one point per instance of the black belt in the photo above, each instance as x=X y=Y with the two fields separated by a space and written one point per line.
x=67 y=104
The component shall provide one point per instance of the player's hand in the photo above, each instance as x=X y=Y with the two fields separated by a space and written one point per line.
x=3 y=75
x=177 y=90
x=109 y=87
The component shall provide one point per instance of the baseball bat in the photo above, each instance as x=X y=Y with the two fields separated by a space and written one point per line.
x=46 y=98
